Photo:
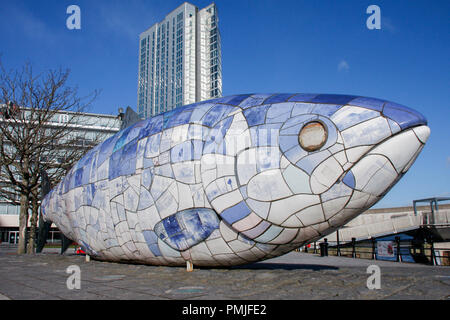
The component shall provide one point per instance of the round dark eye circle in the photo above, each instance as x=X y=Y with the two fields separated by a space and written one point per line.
x=313 y=136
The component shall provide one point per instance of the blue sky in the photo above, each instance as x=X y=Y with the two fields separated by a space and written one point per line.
x=267 y=46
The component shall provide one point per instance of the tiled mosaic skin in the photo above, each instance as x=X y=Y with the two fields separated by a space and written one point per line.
x=226 y=182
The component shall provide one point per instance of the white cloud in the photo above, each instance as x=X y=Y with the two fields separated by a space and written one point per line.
x=386 y=24
x=125 y=18
x=343 y=66
x=28 y=24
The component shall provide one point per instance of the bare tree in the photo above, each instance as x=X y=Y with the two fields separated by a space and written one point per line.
x=39 y=130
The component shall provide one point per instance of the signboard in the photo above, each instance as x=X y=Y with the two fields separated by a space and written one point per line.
x=385 y=249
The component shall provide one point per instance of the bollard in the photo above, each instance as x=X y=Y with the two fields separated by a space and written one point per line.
x=353 y=247
x=324 y=248
x=397 y=240
x=433 y=255
x=338 y=248
x=374 y=256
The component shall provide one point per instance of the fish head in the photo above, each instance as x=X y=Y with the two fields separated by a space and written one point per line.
x=335 y=161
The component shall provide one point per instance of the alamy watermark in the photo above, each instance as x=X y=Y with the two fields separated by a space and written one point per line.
x=74 y=280
x=73 y=22
x=374 y=20
x=374 y=280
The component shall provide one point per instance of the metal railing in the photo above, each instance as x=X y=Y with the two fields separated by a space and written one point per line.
x=402 y=251
x=371 y=226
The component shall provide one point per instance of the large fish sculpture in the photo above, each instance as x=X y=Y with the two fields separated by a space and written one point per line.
x=235 y=180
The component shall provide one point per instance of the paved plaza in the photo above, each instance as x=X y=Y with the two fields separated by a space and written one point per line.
x=293 y=276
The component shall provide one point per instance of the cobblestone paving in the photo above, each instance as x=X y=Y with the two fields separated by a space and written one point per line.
x=292 y=276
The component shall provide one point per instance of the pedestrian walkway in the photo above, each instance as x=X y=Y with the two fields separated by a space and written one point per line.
x=293 y=276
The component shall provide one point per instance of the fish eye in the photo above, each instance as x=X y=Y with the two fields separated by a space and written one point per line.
x=313 y=136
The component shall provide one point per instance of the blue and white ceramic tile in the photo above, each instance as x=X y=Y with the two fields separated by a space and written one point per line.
x=232 y=180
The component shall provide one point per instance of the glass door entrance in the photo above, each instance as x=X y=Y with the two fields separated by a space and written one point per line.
x=13 y=237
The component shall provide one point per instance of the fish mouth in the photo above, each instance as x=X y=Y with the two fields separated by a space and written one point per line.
x=382 y=166
x=377 y=171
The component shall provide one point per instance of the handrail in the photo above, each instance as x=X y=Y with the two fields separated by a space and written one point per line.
x=402 y=251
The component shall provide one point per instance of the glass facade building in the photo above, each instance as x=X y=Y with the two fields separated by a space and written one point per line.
x=179 y=60
x=86 y=130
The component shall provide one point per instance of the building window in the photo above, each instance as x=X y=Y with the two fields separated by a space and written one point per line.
x=63 y=118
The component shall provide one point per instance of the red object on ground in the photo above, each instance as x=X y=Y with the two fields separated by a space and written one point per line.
x=79 y=251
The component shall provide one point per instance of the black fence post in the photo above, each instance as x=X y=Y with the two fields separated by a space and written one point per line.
x=397 y=240
x=432 y=256
x=338 y=249
x=374 y=255
x=353 y=247
x=315 y=248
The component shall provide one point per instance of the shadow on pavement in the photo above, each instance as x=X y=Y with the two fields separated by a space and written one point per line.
x=285 y=266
